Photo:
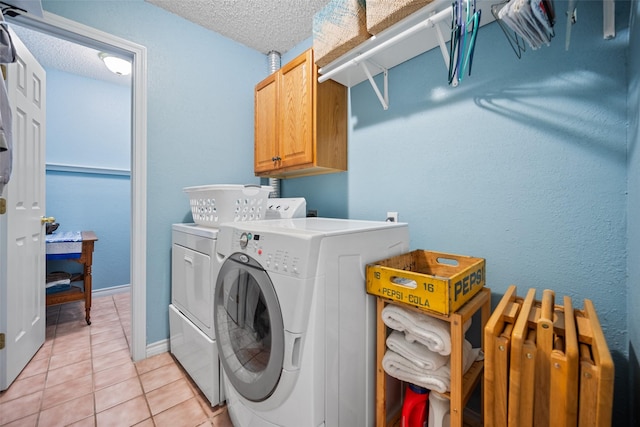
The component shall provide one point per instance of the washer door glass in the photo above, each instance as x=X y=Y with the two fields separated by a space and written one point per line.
x=249 y=327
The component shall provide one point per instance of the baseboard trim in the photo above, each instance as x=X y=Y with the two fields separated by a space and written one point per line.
x=157 y=347
x=96 y=293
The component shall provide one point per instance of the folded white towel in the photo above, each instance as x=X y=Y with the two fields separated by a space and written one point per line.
x=419 y=354
x=420 y=327
x=403 y=369
x=439 y=380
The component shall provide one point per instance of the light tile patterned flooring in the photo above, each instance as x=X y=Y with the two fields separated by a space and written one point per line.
x=83 y=376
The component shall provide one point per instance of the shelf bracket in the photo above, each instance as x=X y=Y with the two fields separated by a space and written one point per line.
x=384 y=99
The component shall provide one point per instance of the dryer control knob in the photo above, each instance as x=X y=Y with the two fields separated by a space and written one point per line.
x=244 y=240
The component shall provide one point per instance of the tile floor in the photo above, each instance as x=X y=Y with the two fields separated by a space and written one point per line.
x=83 y=376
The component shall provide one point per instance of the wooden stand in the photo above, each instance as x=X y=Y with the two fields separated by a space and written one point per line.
x=546 y=364
x=75 y=294
x=461 y=385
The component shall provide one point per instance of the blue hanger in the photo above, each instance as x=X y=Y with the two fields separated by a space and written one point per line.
x=466 y=19
x=474 y=22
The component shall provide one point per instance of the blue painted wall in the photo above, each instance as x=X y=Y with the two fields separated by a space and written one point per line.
x=633 y=231
x=88 y=126
x=97 y=202
x=88 y=121
x=525 y=164
x=200 y=120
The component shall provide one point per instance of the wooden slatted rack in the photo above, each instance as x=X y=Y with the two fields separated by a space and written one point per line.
x=546 y=364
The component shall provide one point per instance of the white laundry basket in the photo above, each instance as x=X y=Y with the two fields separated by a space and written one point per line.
x=211 y=205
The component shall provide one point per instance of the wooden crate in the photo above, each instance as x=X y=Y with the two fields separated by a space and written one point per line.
x=432 y=281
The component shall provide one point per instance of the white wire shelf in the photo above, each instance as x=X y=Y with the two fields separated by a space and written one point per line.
x=402 y=41
x=420 y=32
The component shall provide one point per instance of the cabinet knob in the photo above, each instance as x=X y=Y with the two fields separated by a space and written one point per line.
x=275 y=158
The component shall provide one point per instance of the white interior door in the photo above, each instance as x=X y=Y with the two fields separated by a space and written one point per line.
x=22 y=234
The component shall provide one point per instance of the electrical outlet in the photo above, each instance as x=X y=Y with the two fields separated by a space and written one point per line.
x=392 y=216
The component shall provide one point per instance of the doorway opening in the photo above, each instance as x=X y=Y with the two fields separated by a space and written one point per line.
x=65 y=29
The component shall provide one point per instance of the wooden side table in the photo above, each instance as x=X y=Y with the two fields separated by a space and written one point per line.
x=76 y=294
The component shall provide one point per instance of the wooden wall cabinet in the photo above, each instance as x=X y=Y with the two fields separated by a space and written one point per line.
x=300 y=125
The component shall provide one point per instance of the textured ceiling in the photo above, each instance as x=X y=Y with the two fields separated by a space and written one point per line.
x=63 y=55
x=263 y=25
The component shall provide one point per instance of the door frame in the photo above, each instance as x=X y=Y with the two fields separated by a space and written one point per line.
x=73 y=31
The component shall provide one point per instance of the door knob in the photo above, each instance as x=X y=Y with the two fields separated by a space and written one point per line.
x=49 y=220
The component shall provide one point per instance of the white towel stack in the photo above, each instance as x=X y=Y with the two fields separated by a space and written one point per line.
x=421 y=355
x=415 y=352
x=431 y=332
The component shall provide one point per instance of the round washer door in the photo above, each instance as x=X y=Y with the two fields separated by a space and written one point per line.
x=249 y=327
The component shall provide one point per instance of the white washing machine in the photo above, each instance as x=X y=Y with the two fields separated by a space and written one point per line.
x=295 y=327
x=191 y=328
x=194 y=270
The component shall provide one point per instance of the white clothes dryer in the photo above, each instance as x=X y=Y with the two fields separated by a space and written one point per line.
x=295 y=327
x=191 y=328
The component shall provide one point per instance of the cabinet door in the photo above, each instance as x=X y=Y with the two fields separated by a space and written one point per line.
x=266 y=124
x=296 y=109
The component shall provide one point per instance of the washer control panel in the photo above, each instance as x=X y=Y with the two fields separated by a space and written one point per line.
x=279 y=253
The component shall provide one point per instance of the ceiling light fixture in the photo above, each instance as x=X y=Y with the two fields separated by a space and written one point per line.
x=115 y=64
